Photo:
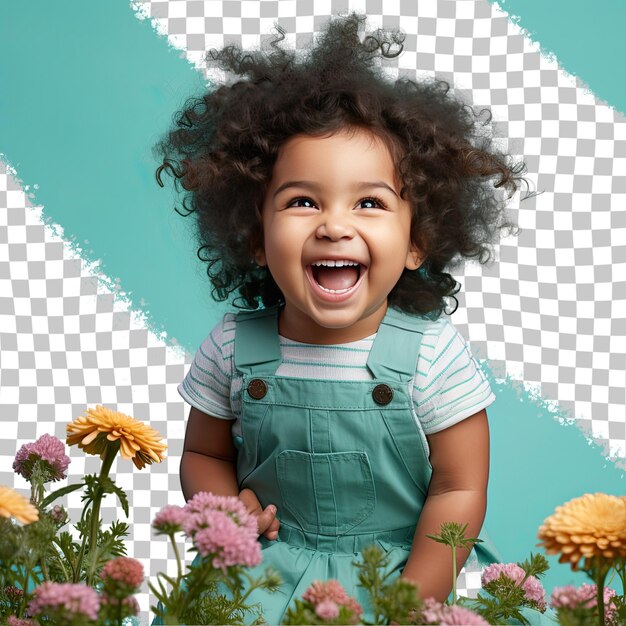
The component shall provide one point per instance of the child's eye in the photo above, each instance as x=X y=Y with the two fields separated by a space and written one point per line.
x=305 y=203
x=372 y=203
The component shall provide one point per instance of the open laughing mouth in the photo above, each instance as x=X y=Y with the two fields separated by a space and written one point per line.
x=333 y=279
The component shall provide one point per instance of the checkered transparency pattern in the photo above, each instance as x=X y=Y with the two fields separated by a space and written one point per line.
x=549 y=311
x=68 y=341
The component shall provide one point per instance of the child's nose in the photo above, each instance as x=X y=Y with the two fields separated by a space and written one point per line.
x=335 y=225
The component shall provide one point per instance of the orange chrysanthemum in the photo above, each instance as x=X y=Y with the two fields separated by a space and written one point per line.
x=13 y=504
x=93 y=431
x=593 y=525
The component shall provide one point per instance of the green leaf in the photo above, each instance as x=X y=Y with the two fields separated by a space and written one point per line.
x=537 y=565
x=121 y=496
x=108 y=486
x=63 y=491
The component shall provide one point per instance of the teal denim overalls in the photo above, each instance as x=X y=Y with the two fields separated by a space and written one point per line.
x=345 y=462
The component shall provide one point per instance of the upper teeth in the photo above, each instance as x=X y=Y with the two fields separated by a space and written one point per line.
x=330 y=263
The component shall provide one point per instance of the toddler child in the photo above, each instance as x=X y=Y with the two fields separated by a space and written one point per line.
x=342 y=408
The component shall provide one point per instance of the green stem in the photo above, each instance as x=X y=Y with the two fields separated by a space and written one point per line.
x=453 y=574
x=109 y=456
x=77 y=566
x=44 y=568
x=600 y=575
x=177 y=554
x=377 y=615
x=60 y=560
x=621 y=572
x=192 y=592
x=25 y=579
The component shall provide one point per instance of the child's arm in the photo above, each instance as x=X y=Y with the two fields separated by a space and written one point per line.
x=457 y=492
x=209 y=464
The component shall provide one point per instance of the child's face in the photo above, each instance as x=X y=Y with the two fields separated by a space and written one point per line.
x=332 y=200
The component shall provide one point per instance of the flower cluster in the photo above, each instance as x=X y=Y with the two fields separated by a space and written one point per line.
x=49 y=577
x=593 y=525
x=498 y=573
x=586 y=597
x=220 y=527
x=94 y=431
x=12 y=504
x=450 y=615
x=327 y=598
x=121 y=577
x=169 y=520
x=225 y=536
x=19 y=621
x=48 y=452
x=66 y=600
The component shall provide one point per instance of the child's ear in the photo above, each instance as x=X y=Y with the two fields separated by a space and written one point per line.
x=414 y=258
x=259 y=257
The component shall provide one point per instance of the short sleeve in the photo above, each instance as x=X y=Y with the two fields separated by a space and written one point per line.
x=449 y=385
x=208 y=382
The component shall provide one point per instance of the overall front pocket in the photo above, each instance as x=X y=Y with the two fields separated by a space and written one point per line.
x=327 y=493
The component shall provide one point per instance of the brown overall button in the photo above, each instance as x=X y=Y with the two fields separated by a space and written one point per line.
x=382 y=394
x=257 y=388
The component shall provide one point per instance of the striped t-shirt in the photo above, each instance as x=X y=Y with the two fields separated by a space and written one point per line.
x=448 y=385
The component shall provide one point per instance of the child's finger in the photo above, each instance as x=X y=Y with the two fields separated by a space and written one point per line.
x=251 y=502
x=265 y=518
x=271 y=532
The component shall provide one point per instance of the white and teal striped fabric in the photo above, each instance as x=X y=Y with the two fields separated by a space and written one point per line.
x=448 y=385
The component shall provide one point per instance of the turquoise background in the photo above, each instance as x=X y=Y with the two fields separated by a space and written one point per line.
x=86 y=90
x=586 y=37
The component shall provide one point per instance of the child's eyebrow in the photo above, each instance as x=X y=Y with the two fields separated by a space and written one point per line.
x=315 y=187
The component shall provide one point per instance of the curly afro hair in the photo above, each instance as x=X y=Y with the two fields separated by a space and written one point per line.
x=223 y=146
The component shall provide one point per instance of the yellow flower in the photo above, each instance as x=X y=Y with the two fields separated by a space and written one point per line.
x=98 y=426
x=593 y=525
x=12 y=504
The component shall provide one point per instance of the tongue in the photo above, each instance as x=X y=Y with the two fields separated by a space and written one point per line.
x=336 y=277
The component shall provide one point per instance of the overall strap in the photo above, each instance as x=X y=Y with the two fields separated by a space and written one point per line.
x=257 y=349
x=397 y=345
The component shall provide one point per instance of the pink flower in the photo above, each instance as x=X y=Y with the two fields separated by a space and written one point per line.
x=331 y=589
x=454 y=615
x=169 y=520
x=231 y=544
x=327 y=609
x=320 y=592
x=534 y=592
x=205 y=502
x=58 y=514
x=432 y=610
x=569 y=597
x=16 y=621
x=221 y=527
x=14 y=594
x=566 y=597
x=68 y=598
x=47 y=449
x=122 y=576
x=130 y=604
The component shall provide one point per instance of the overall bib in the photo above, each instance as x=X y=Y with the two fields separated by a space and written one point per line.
x=345 y=462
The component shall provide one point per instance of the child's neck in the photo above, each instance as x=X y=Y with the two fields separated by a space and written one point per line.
x=295 y=325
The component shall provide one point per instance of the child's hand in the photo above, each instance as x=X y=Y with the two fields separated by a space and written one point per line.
x=267 y=522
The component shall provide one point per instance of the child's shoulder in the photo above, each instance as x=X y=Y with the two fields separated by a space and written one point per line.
x=439 y=335
x=431 y=326
x=222 y=335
